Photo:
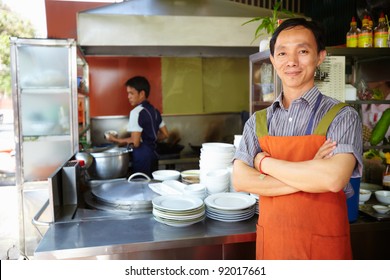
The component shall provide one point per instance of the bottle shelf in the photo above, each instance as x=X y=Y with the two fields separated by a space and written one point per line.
x=367 y=101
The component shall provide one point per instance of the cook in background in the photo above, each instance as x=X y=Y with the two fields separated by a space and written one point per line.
x=302 y=176
x=145 y=125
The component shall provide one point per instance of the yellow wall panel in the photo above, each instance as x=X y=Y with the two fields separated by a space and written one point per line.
x=182 y=85
x=226 y=84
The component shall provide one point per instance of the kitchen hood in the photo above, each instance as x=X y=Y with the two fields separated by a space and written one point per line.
x=170 y=28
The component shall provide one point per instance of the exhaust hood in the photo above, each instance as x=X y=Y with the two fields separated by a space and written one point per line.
x=169 y=28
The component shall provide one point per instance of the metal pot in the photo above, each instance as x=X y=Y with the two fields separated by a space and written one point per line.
x=110 y=164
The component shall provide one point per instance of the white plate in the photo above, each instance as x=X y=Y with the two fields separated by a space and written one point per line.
x=194 y=188
x=230 y=201
x=160 y=214
x=162 y=189
x=168 y=187
x=178 y=223
x=230 y=212
x=231 y=216
x=162 y=175
x=180 y=212
x=177 y=202
x=230 y=220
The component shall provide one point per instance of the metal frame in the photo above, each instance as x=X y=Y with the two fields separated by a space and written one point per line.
x=32 y=193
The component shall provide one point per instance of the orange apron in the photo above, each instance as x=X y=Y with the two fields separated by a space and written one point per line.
x=301 y=225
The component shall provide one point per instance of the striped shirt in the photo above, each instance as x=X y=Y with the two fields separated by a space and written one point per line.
x=345 y=129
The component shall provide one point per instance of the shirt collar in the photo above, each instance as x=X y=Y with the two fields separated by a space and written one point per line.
x=310 y=97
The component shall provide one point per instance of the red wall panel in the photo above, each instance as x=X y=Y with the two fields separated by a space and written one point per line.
x=61 y=17
x=108 y=76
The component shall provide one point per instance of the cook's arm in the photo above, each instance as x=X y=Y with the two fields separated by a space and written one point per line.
x=162 y=133
x=134 y=139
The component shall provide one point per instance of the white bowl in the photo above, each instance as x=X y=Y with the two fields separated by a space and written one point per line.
x=217 y=188
x=163 y=175
x=217 y=154
x=381 y=209
x=217 y=176
x=364 y=195
x=110 y=132
x=190 y=173
x=218 y=147
x=191 y=176
x=210 y=192
x=383 y=196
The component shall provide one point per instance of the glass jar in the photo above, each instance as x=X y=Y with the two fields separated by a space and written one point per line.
x=386 y=176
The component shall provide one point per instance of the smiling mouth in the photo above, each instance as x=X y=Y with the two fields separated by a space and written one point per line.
x=295 y=73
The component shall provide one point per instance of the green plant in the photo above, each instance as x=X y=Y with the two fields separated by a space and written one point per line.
x=268 y=24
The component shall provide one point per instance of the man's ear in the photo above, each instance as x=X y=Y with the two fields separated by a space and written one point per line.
x=322 y=57
x=271 y=57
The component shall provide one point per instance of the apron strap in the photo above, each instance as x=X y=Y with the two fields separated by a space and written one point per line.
x=261 y=123
x=327 y=119
x=314 y=111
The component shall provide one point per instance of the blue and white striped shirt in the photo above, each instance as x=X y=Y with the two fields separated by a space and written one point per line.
x=345 y=129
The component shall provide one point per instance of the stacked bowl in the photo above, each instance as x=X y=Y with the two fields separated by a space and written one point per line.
x=217 y=181
x=214 y=163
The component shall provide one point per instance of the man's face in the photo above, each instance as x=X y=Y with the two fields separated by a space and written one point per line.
x=135 y=97
x=295 y=58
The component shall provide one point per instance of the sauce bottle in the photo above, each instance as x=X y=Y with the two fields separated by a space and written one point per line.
x=365 y=35
x=381 y=33
x=371 y=29
x=352 y=34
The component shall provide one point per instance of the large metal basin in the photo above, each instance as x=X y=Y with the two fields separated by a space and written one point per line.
x=110 y=164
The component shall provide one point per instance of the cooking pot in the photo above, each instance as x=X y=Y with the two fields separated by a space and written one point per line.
x=109 y=163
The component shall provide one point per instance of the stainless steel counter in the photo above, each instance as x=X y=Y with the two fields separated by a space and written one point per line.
x=141 y=237
x=126 y=237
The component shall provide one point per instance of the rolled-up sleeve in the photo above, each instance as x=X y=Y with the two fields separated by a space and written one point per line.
x=346 y=130
x=249 y=145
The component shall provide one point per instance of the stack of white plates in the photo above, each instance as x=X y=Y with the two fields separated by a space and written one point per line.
x=256 y=196
x=230 y=207
x=215 y=156
x=178 y=210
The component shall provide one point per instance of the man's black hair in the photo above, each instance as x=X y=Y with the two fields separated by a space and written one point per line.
x=139 y=83
x=317 y=30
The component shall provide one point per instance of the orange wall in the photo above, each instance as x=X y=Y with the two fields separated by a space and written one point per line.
x=107 y=74
x=61 y=17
